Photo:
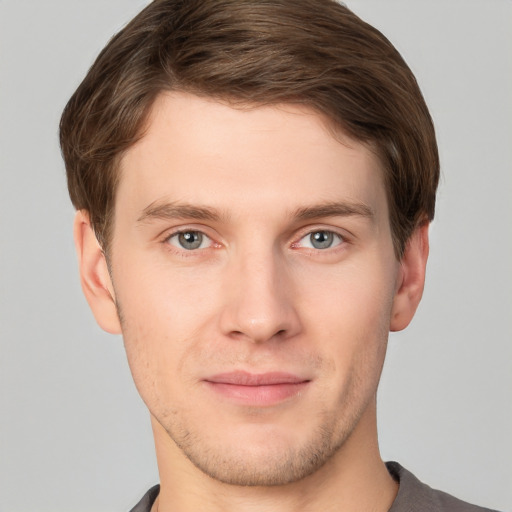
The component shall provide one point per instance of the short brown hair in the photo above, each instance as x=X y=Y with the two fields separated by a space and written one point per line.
x=314 y=52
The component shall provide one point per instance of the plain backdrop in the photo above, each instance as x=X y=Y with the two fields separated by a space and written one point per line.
x=75 y=436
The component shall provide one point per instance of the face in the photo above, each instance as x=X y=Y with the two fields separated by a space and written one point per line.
x=253 y=271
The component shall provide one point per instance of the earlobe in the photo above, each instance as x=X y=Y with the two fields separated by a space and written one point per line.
x=411 y=278
x=94 y=275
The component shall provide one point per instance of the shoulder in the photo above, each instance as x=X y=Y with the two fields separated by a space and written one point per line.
x=415 y=496
x=147 y=500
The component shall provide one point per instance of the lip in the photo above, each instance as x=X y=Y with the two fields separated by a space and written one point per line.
x=264 y=389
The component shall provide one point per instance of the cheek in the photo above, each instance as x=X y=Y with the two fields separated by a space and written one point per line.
x=164 y=315
x=356 y=296
x=349 y=316
x=163 y=299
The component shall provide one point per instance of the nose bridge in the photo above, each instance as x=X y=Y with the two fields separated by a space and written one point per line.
x=260 y=303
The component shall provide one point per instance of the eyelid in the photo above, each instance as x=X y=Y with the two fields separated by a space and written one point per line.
x=175 y=231
x=204 y=239
x=309 y=230
x=342 y=234
x=337 y=241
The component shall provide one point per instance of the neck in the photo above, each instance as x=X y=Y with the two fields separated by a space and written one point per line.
x=355 y=478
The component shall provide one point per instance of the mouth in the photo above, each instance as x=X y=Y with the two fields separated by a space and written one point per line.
x=261 y=390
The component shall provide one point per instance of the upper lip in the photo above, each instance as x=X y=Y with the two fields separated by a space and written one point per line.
x=242 y=378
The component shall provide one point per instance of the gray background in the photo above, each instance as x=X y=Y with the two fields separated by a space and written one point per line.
x=74 y=435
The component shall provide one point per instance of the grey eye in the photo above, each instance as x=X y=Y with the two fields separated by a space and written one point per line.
x=321 y=239
x=190 y=239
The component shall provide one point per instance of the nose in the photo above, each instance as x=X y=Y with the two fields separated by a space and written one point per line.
x=259 y=301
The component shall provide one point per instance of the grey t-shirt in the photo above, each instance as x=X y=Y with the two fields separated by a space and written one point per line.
x=413 y=496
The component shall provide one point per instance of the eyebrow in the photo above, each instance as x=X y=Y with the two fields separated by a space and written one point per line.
x=160 y=210
x=334 y=209
x=174 y=210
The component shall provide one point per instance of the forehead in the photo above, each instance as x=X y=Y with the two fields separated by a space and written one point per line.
x=201 y=151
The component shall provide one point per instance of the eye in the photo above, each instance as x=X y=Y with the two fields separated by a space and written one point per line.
x=321 y=239
x=189 y=240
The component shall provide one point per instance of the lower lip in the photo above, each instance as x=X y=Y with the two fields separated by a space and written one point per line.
x=262 y=395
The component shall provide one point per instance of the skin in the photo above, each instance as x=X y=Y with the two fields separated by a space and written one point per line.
x=257 y=295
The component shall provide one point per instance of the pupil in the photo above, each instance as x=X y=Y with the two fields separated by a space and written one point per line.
x=190 y=239
x=321 y=239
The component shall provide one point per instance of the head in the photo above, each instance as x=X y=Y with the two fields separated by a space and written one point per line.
x=255 y=179
x=316 y=53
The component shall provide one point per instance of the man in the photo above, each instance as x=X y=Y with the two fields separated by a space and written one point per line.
x=254 y=183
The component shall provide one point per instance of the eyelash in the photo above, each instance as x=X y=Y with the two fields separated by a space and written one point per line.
x=335 y=235
x=342 y=240
x=182 y=250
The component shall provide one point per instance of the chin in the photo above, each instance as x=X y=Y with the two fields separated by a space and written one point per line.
x=267 y=457
x=262 y=469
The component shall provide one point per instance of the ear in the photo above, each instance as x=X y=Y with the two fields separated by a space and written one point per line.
x=94 y=275
x=411 y=278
